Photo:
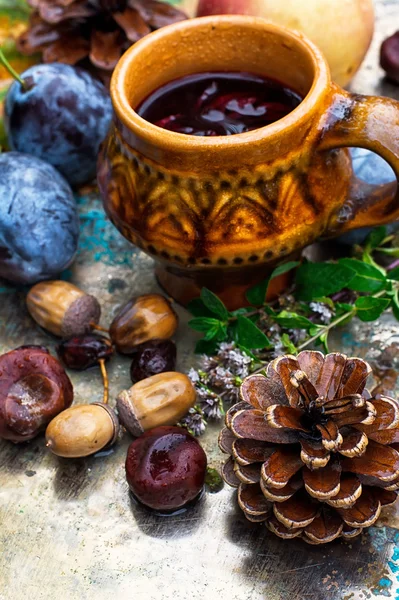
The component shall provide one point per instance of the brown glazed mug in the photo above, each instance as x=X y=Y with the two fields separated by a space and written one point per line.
x=221 y=211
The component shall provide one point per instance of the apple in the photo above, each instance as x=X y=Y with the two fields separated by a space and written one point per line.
x=342 y=29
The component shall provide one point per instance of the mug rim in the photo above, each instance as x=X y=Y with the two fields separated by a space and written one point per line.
x=165 y=138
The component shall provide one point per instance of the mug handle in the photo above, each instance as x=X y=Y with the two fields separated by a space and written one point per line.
x=370 y=122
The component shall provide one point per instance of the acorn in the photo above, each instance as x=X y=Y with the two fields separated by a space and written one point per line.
x=62 y=308
x=142 y=319
x=84 y=429
x=162 y=399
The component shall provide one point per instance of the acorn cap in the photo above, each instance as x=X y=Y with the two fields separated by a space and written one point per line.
x=127 y=415
x=114 y=420
x=80 y=314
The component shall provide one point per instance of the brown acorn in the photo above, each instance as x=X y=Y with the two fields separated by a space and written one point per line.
x=84 y=429
x=311 y=452
x=162 y=399
x=142 y=319
x=62 y=308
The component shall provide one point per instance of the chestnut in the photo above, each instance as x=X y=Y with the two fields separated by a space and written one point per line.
x=142 y=319
x=151 y=358
x=166 y=468
x=34 y=388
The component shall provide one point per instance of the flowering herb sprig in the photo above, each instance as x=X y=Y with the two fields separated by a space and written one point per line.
x=325 y=295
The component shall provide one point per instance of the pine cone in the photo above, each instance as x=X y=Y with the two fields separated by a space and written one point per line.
x=96 y=32
x=311 y=452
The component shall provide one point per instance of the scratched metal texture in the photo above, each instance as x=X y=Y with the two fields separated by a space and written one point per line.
x=68 y=529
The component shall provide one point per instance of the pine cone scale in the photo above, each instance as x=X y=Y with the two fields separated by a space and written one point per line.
x=323 y=484
x=252 y=501
x=278 y=469
x=297 y=512
x=59 y=52
x=246 y=451
x=305 y=438
x=326 y=527
x=313 y=454
x=349 y=492
x=285 y=417
x=251 y=424
x=105 y=49
x=132 y=24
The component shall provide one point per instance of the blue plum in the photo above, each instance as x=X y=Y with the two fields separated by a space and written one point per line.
x=39 y=223
x=61 y=117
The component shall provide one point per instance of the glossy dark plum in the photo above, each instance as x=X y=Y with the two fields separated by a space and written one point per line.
x=165 y=468
x=151 y=358
x=61 y=118
x=39 y=223
x=83 y=351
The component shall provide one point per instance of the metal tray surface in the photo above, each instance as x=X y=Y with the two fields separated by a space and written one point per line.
x=69 y=529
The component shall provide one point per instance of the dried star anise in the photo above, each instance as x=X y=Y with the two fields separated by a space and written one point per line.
x=92 y=33
x=311 y=452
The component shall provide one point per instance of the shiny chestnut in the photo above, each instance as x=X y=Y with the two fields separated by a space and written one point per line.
x=34 y=388
x=165 y=468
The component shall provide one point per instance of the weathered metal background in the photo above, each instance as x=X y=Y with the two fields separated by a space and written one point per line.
x=68 y=529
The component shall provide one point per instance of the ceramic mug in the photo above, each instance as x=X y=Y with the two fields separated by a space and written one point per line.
x=221 y=211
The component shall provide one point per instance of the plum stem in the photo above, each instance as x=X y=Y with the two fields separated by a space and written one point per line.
x=12 y=71
x=105 y=380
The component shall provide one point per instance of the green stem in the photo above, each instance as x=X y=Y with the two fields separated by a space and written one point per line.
x=331 y=325
x=12 y=71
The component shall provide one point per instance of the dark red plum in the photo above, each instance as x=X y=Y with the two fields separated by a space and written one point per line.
x=39 y=223
x=151 y=358
x=61 y=117
x=165 y=468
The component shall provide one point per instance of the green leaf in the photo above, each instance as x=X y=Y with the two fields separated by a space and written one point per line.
x=369 y=308
x=291 y=320
x=198 y=309
x=218 y=332
x=288 y=345
x=375 y=237
x=250 y=336
x=284 y=268
x=314 y=280
x=369 y=260
x=242 y=311
x=214 y=304
x=393 y=274
x=203 y=324
x=395 y=305
x=368 y=278
x=257 y=294
x=206 y=347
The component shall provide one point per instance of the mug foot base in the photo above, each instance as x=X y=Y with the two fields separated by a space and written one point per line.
x=230 y=285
